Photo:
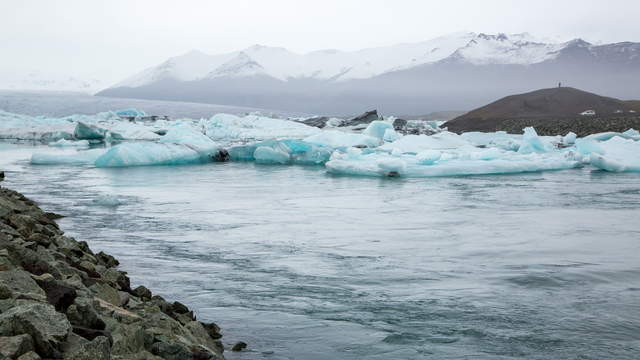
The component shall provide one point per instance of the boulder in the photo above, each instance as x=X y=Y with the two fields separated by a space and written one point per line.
x=128 y=339
x=107 y=260
x=47 y=327
x=59 y=295
x=29 y=356
x=97 y=349
x=171 y=351
x=14 y=346
x=239 y=346
x=119 y=278
x=106 y=293
x=213 y=330
x=83 y=314
x=142 y=292
x=21 y=286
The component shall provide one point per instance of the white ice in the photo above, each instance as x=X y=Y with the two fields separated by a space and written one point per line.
x=226 y=127
x=70 y=143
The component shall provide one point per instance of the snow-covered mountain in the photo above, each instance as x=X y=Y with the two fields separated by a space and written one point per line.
x=414 y=73
x=38 y=81
x=338 y=65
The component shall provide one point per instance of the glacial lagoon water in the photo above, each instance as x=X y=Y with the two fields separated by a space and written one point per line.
x=301 y=264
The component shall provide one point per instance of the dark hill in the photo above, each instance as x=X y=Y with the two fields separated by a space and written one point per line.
x=556 y=110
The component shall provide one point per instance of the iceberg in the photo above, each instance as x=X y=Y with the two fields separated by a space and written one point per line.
x=340 y=139
x=227 y=127
x=130 y=113
x=184 y=134
x=144 y=154
x=617 y=155
x=70 y=143
x=446 y=163
x=377 y=129
x=288 y=151
x=133 y=131
x=107 y=200
x=569 y=139
x=417 y=143
x=89 y=132
x=86 y=157
x=531 y=143
x=270 y=155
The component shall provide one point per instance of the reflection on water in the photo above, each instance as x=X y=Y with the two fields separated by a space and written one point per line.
x=304 y=265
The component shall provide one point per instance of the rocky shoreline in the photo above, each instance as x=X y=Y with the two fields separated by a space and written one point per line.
x=60 y=300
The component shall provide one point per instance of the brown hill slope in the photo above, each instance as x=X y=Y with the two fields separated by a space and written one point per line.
x=563 y=103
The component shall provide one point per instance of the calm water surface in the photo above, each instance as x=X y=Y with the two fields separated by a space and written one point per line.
x=304 y=265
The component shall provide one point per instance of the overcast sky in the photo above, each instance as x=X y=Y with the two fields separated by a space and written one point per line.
x=111 y=39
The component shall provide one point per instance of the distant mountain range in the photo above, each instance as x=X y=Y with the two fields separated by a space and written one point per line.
x=37 y=80
x=457 y=71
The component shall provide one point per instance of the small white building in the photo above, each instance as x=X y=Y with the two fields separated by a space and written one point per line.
x=588 y=113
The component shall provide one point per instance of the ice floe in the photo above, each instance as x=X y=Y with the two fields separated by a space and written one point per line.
x=377 y=150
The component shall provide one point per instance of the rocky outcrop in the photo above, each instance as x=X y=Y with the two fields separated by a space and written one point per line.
x=318 y=121
x=59 y=300
x=364 y=118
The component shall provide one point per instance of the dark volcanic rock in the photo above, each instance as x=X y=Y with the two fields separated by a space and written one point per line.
x=365 y=118
x=107 y=260
x=142 y=292
x=239 y=346
x=221 y=156
x=14 y=346
x=60 y=300
x=399 y=124
x=319 y=121
x=48 y=328
x=59 y=295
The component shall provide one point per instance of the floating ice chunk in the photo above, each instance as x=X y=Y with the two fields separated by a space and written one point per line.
x=586 y=146
x=269 y=155
x=428 y=157
x=133 y=131
x=377 y=129
x=531 y=143
x=392 y=166
x=86 y=157
x=632 y=133
x=108 y=200
x=609 y=135
x=617 y=155
x=418 y=143
x=274 y=151
x=183 y=134
x=341 y=139
x=142 y=154
x=130 y=113
x=569 y=139
x=89 y=132
x=452 y=164
x=70 y=143
x=254 y=127
x=391 y=135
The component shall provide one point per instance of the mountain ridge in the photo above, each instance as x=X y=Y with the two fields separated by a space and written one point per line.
x=461 y=71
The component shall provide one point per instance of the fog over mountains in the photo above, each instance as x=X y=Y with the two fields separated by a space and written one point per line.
x=456 y=71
